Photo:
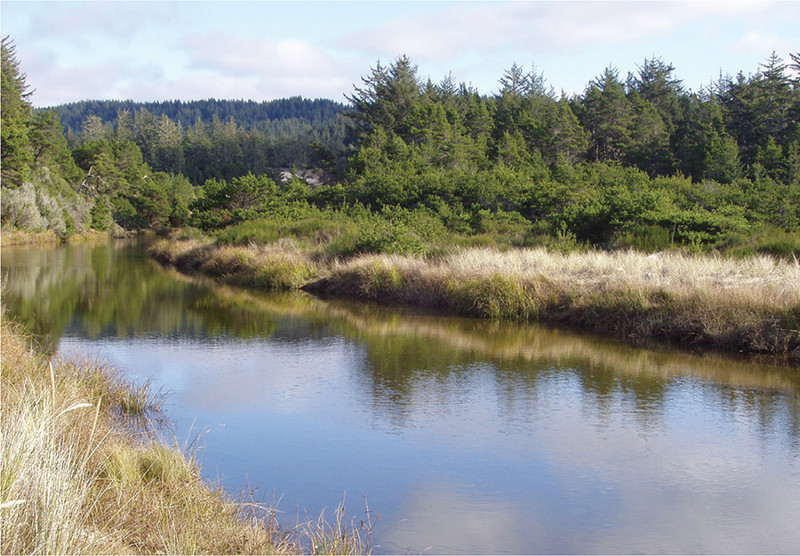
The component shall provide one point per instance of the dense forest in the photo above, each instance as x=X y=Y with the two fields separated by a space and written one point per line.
x=211 y=138
x=635 y=162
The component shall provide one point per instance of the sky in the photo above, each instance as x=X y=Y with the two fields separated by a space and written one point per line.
x=187 y=50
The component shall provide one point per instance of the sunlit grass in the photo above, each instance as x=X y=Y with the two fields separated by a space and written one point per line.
x=279 y=266
x=748 y=304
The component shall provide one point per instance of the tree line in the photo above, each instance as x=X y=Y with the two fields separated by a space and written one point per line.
x=639 y=161
x=211 y=138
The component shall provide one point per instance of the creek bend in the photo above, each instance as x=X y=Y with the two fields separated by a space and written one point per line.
x=464 y=436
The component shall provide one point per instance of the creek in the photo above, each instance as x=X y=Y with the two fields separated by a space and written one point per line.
x=452 y=435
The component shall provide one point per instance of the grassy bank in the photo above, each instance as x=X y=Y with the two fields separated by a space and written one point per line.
x=750 y=305
x=82 y=472
x=745 y=305
x=277 y=266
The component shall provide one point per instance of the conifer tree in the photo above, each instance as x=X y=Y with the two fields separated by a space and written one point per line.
x=17 y=152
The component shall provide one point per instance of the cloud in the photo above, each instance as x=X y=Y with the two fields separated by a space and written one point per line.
x=152 y=50
x=761 y=41
x=273 y=68
x=229 y=54
x=535 y=26
x=56 y=83
x=118 y=20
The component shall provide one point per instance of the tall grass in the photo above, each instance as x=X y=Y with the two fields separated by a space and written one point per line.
x=46 y=483
x=81 y=475
x=279 y=266
x=751 y=304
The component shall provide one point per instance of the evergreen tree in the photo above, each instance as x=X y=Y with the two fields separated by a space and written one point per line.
x=386 y=99
x=649 y=139
x=50 y=147
x=607 y=115
x=655 y=84
x=17 y=152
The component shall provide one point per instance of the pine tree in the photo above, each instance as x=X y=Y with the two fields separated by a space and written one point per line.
x=386 y=99
x=608 y=117
x=17 y=152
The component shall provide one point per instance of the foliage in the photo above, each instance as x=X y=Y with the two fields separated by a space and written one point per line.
x=223 y=203
x=412 y=165
x=17 y=153
x=625 y=159
x=220 y=139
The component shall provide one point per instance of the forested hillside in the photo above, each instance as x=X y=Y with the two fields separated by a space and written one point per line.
x=248 y=114
x=214 y=138
x=637 y=161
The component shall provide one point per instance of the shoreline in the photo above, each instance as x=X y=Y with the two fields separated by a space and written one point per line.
x=749 y=306
x=85 y=473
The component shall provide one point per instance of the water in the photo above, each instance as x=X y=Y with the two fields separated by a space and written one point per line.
x=462 y=436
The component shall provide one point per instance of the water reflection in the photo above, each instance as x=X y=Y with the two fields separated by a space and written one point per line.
x=467 y=436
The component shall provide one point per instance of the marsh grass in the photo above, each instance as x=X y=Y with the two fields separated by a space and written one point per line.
x=279 y=267
x=747 y=304
x=323 y=536
x=12 y=236
x=751 y=304
x=81 y=474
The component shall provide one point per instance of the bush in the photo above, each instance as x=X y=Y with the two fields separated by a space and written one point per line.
x=253 y=231
x=100 y=215
x=766 y=239
x=649 y=238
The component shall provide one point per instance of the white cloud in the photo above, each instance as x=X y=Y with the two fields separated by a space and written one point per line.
x=274 y=68
x=436 y=35
x=141 y=49
x=229 y=54
x=56 y=83
x=118 y=20
x=761 y=41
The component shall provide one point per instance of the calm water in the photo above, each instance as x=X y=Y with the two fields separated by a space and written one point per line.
x=463 y=436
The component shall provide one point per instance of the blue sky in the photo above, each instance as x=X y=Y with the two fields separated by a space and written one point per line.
x=265 y=50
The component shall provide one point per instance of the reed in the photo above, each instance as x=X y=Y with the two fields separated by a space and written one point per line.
x=10 y=236
x=82 y=472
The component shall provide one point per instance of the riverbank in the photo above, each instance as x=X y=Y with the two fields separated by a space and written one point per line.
x=49 y=237
x=83 y=472
x=700 y=301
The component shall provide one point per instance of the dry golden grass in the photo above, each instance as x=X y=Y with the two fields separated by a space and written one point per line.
x=81 y=476
x=747 y=305
x=280 y=266
x=12 y=236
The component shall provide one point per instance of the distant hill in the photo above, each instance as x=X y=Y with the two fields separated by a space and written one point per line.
x=248 y=114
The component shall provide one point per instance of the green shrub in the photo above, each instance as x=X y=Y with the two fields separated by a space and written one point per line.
x=252 y=231
x=100 y=215
x=649 y=238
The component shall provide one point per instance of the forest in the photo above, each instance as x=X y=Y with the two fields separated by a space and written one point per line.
x=633 y=162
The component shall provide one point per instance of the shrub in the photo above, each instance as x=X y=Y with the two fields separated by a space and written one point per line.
x=100 y=215
x=649 y=238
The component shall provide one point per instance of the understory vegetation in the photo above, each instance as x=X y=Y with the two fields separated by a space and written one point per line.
x=83 y=472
